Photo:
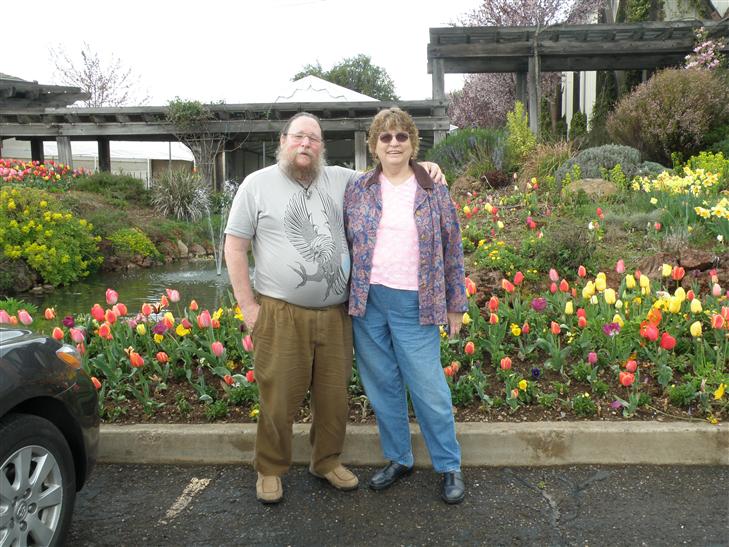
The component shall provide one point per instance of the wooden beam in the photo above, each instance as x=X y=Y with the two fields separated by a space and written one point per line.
x=65 y=155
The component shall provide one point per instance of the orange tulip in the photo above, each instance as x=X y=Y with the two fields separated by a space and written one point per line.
x=564 y=286
x=507 y=286
x=469 y=348
x=493 y=319
x=631 y=365
x=57 y=333
x=147 y=309
x=193 y=305
x=163 y=302
x=135 y=359
x=493 y=304
x=96 y=382
x=448 y=371
x=470 y=287
x=678 y=273
x=49 y=314
x=717 y=321
x=525 y=328
x=110 y=317
x=518 y=278
x=105 y=331
x=626 y=378
x=97 y=312
x=162 y=357
x=555 y=328
x=505 y=363
x=120 y=309
x=581 y=271
x=582 y=322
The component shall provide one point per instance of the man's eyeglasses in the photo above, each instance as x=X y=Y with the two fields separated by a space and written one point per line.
x=299 y=137
x=399 y=137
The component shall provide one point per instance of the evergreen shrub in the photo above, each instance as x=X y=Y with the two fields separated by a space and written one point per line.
x=592 y=162
x=472 y=150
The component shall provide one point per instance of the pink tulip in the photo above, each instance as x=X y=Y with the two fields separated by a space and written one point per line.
x=553 y=275
x=77 y=335
x=505 y=363
x=518 y=278
x=173 y=295
x=4 y=317
x=553 y=287
x=24 y=317
x=120 y=310
x=626 y=378
x=247 y=343
x=147 y=309
x=620 y=266
x=592 y=357
x=715 y=291
x=203 y=320
x=581 y=271
x=631 y=365
x=218 y=348
x=111 y=297
x=250 y=377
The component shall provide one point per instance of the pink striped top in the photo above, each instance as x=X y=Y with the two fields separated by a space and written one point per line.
x=396 y=254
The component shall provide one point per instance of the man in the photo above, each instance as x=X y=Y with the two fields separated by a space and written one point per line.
x=291 y=215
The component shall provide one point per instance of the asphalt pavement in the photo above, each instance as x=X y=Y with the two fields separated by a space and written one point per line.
x=161 y=505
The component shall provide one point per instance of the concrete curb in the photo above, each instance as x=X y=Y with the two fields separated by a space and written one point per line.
x=482 y=444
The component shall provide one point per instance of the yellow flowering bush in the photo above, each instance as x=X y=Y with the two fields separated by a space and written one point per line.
x=52 y=241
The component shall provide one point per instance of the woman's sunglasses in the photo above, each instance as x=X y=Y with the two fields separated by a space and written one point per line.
x=399 y=137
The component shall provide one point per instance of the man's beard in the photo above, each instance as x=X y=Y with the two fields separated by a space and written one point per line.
x=304 y=175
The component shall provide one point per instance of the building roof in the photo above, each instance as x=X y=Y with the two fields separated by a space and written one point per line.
x=311 y=89
x=18 y=93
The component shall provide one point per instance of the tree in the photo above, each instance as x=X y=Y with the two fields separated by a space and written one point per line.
x=355 y=73
x=486 y=98
x=109 y=82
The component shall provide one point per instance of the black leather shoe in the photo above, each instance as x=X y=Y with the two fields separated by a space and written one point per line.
x=389 y=475
x=453 y=489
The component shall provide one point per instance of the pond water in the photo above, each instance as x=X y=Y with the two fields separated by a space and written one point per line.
x=193 y=279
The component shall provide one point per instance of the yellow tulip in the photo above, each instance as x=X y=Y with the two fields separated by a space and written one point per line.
x=680 y=294
x=569 y=308
x=466 y=210
x=141 y=329
x=588 y=290
x=523 y=385
x=674 y=305
x=618 y=304
x=619 y=320
x=645 y=282
x=182 y=331
x=466 y=318
x=666 y=270
x=158 y=338
x=696 y=306
x=600 y=283
x=630 y=281
x=719 y=393
x=695 y=329
x=610 y=296
x=171 y=318
x=515 y=329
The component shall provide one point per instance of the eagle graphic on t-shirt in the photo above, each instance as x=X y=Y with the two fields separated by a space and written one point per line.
x=321 y=245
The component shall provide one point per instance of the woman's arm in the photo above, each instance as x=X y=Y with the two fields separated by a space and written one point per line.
x=453 y=266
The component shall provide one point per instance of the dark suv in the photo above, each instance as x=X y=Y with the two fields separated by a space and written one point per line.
x=49 y=433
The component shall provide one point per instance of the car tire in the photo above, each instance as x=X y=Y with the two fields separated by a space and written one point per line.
x=37 y=482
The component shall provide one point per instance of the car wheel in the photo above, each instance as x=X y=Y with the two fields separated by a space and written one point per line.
x=37 y=482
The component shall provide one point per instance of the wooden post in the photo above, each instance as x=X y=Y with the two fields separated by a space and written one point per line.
x=360 y=150
x=64 y=150
x=534 y=94
x=438 y=80
x=36 y=149
x=521 y=87
x=438 y=136
x=104 y=154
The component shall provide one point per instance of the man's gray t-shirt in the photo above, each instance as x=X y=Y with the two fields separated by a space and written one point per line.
x=298 y=240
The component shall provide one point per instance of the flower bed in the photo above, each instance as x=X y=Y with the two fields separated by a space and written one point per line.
x=48 y=175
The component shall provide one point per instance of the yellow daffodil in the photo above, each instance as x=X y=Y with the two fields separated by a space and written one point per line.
x=630 y=281
x=696 y=306
x=719 y=393
x=523 y=385
x=695 y=329
x=253 y=413
x=238 y=314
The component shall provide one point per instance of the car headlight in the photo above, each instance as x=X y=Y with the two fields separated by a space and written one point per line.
x=69 y=355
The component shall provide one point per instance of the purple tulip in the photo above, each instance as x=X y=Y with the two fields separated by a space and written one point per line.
x=539 y=304
x=68 y=321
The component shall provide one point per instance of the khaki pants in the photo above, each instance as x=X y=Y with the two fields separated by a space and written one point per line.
x=298 y=350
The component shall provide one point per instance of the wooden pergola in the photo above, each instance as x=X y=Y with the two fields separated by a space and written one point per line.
x=250 y=130
x=528 y=51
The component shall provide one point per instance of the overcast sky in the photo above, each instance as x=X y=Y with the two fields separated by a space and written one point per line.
x=244 y=51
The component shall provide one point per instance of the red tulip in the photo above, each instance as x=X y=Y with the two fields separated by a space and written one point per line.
x=600 y=214
x=96 y=382
x=564 y=286
x=111 y=297
x=469 y=348
x=649 y=331
x=162 y=357
x=120 y=309
x=626 y=378
x=110 y=317
x=163 y=302
x=690 y=295
x=186 y=323
x=518 y=278
x=505 y=363
x=448 y=371
x=204 y=320
x=657 y=226
x=215 y=324
x=135 y=359
x=250 y=377
x=57 y=333
x=582 y=322
x=581 y=312
x=581 y=271
x=217 y=348
x=717 y=321
x=49 y=314
x=667 y=341
x=507 y=286
x=248 y=343
x=493 y=304
x=493 y=319
x=193 y=305
x=553 y=287
x=555 y=328
x=525 y=328
x=631 y=365
x=97 y=312
x=228 y=379
x=105 y=331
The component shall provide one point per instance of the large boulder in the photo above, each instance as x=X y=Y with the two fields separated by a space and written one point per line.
x=592 y=187
x=16 y=277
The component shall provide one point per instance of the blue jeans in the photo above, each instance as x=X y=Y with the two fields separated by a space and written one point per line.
x=395 y=351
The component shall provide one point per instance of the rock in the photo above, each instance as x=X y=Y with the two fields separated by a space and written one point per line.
x=592 y=187
x=38 y=289
x=16 y=276
x=692 y=259
x=182 y=249
x=48 y=288
x=197 y=250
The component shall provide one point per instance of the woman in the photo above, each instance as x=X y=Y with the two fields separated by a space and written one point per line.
x=407 y=279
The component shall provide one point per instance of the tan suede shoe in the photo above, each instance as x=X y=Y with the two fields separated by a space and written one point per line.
x=340 y=478
x=269 y=489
